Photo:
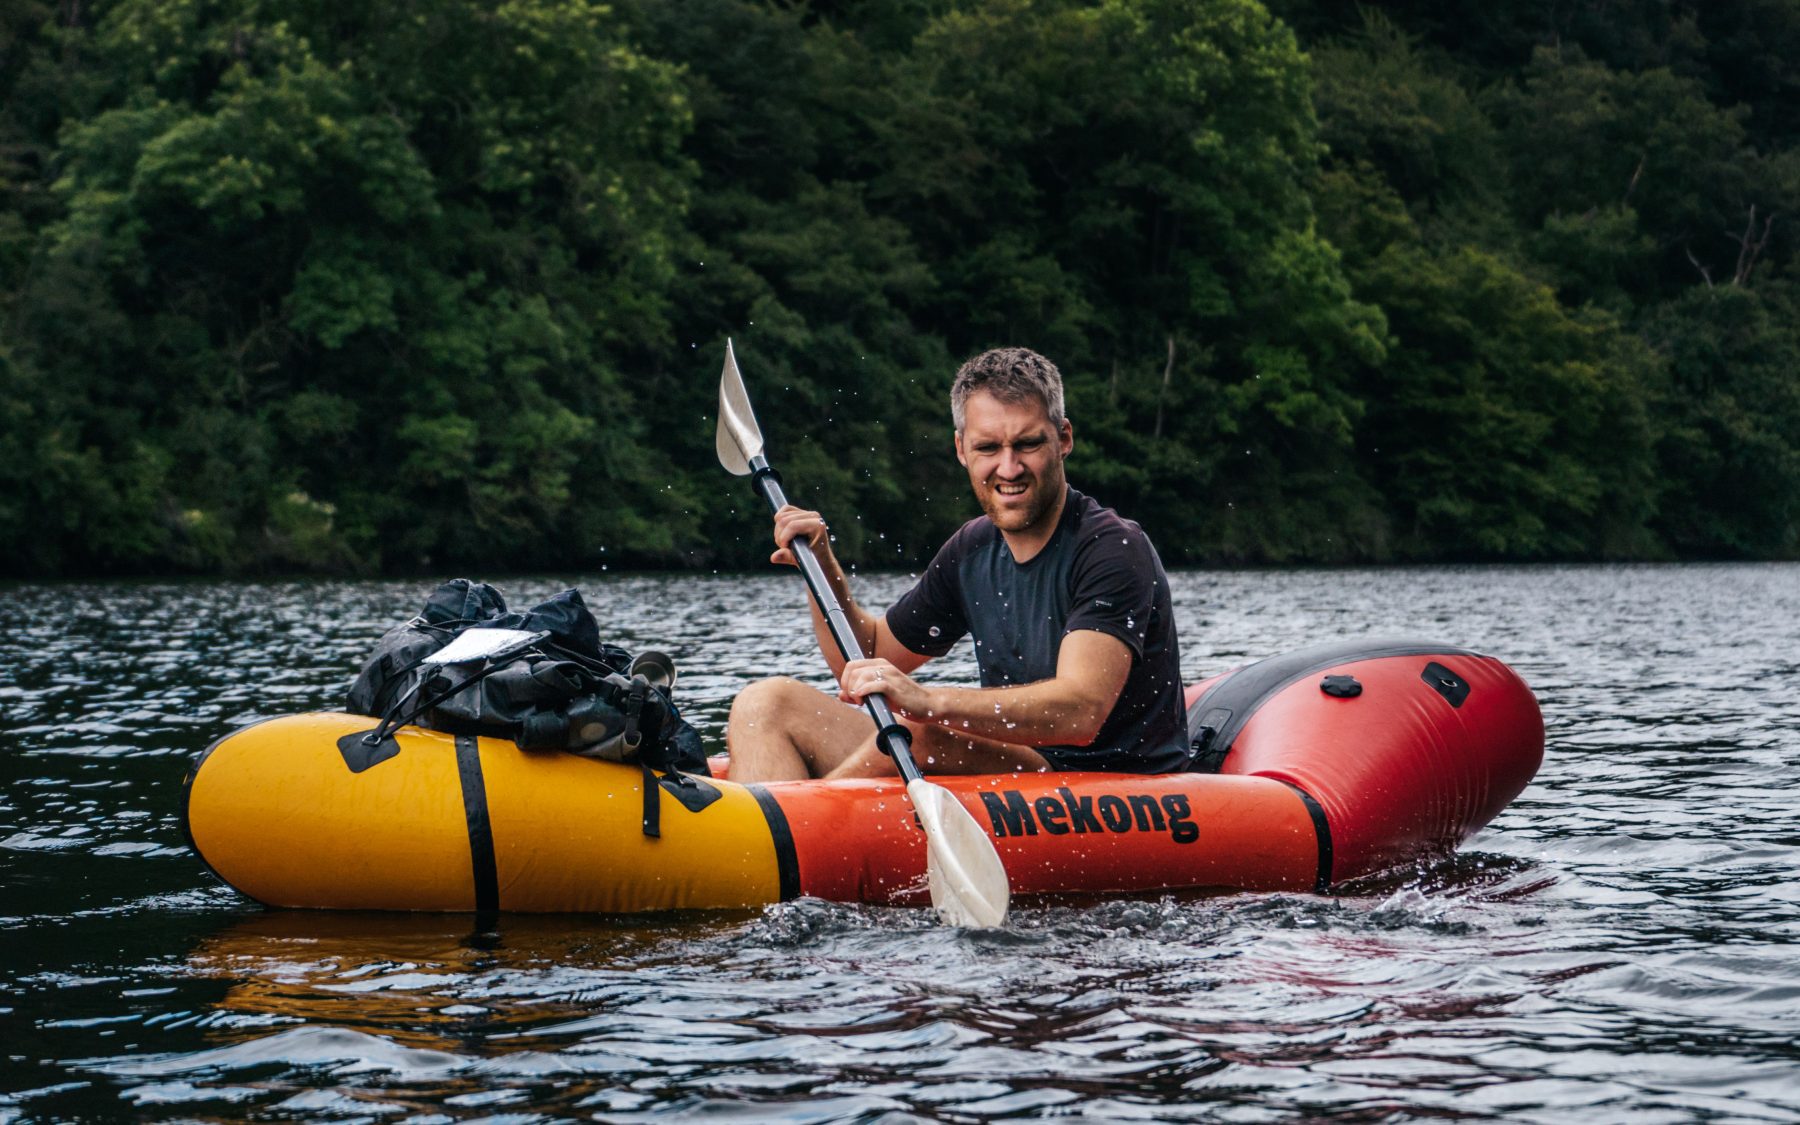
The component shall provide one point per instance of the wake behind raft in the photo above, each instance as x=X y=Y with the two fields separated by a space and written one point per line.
x=1333 y=762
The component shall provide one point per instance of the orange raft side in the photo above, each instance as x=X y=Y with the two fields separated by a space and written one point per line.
x=1091 y=833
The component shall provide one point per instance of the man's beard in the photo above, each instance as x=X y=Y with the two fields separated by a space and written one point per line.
x=1043 y=493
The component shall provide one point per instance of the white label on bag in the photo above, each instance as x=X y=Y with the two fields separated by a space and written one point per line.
x=484 y=644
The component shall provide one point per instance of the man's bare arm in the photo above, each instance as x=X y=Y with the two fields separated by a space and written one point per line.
x=1067 y=709
x=870 y=629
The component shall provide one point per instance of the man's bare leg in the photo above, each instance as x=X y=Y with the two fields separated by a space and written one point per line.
x=784 y=730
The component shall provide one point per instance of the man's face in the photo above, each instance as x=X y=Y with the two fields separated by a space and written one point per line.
x=1015 y=459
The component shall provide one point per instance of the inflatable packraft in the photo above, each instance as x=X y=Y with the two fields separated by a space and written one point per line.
x=1331 y=763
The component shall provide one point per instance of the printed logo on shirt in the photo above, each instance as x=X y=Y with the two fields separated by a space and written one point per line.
x=1012 y=815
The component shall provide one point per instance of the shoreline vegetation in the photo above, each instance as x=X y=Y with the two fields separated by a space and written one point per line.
x=305 y=288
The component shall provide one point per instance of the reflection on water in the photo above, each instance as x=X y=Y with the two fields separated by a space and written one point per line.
x=397 y=976
x=1622 y=944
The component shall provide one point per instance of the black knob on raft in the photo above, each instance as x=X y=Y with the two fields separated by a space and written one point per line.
x=1343 y=687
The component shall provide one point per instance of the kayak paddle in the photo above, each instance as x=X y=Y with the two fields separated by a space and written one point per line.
x=968 y=884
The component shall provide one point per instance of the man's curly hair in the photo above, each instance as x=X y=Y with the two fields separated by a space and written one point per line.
x=1011 y=375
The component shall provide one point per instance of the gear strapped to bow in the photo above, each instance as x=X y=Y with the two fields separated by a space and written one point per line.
x=542 y=678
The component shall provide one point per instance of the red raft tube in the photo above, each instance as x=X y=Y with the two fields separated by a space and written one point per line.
x=1333 y=762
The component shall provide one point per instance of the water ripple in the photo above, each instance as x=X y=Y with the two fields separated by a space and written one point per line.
x=1622 y=944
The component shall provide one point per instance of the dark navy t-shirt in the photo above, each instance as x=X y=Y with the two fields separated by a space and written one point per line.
x=1098 y=572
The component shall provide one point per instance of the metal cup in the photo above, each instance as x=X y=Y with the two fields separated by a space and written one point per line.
x=657 y=668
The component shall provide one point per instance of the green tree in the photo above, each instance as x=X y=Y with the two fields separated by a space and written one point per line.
x=1635 y=152
x=367 y=274
x=1730 y=457
x=445 y=285
x=1502 y=424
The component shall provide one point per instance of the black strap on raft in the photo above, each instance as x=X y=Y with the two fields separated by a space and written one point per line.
x=634 y=711
x=652 y=802
x=389 y=724
x=634 y=737
x=1207 y=749
x=693 y=793
x=373 y=747
x=481 y=831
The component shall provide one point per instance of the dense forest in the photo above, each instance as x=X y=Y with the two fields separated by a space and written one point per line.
x=300 y=285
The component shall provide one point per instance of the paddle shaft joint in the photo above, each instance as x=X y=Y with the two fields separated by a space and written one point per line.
x=893 y=737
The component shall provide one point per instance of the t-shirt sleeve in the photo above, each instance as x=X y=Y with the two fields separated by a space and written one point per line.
x=1113 y=586
x=928 y=619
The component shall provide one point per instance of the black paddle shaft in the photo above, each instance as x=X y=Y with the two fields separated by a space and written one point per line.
x=893 y=737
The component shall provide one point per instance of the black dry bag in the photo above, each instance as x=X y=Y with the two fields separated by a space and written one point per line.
x=542 y=678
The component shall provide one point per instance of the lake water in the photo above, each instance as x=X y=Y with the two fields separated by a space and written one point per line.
x=1623 y=944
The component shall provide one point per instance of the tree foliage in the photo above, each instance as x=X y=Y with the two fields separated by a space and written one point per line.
x=305 y=287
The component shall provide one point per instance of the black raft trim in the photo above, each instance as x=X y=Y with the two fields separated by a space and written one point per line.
x=1321 y=831
x=1242 y=691
x=787 y=864
x=481 y=832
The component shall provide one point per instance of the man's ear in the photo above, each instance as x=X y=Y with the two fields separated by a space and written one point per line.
x=961 y=457
x=1066 y=439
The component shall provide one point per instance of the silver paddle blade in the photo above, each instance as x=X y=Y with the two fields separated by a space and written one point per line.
x=739 y=437
x=968 y=884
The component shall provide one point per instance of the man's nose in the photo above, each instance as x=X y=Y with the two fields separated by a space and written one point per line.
x=1010 y=464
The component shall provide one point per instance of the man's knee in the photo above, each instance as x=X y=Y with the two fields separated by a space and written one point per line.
x=766 y=701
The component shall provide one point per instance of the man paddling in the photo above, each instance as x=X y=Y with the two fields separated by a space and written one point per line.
x=1067 y=602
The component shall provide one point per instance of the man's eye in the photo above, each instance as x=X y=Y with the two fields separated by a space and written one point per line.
x=987 y=449
x=1029 y=443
